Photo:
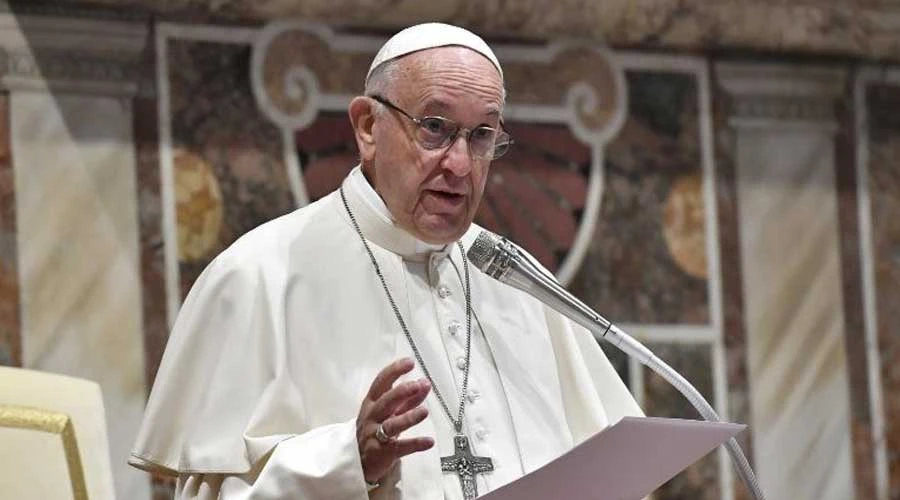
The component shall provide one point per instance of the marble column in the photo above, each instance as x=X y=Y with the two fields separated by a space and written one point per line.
x=71 y=84
x=784 y=123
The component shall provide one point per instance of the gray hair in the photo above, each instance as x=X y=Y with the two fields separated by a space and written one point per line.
x=381 y=79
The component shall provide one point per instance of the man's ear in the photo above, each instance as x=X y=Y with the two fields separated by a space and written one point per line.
x=362 y=119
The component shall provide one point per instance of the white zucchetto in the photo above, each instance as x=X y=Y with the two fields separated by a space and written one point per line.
x=429 y=36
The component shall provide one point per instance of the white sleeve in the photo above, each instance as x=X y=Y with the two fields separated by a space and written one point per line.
x=594 y=396
x=322 y=464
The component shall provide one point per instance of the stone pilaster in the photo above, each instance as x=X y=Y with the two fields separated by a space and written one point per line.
x=784 y=124
x=71 y=83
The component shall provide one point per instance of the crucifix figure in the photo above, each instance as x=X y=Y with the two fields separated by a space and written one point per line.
x=466 y=465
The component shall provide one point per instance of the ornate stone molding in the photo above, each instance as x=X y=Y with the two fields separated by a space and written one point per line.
x=285 y=83
x=71 y=10
x=781 y=95
x=866 y=30
x=69 y=71
x=72 y=55
x=783 y=108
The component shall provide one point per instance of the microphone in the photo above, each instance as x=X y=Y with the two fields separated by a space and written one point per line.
x=504 y=261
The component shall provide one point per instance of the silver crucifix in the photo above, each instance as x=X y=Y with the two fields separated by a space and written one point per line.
x=466 y=465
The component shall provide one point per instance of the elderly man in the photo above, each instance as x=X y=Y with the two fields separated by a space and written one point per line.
x=348 y=351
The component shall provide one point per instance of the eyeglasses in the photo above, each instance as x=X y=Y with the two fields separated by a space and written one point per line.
x=437 y=132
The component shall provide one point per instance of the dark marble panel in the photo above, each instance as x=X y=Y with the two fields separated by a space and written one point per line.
x=884 y=191
x=146 y=143
x=10 y=320
x=700 y=481
x=854 y=326
x=327 y=152
x=536 y=193
x=229 y=170
x=734 y=334
x=647 y=260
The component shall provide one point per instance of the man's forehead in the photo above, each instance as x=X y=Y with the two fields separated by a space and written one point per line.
x=426 y=82
x=429 y=36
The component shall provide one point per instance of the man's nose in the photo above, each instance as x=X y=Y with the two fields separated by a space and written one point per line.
x=457 y=158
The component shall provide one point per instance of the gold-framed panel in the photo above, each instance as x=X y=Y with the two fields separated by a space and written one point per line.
x=41 y=420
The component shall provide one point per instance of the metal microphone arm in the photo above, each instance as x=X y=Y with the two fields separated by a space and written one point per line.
x=500 y=259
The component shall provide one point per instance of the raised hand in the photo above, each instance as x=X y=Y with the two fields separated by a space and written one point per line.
x=387 y=411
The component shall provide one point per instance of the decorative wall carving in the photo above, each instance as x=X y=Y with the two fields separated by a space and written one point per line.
x=784 y=108
x=868 y=30
x=773 y=95
x=283 y=71
x=72 y=55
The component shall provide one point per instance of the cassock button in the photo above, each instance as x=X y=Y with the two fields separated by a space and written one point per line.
x=454 y=327
x=443 y=291
x=474 y=395
x=461 y=363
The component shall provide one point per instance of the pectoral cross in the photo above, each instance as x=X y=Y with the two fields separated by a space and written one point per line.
x=466 y=465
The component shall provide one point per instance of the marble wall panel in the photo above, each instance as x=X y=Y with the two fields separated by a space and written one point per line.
x=78 y=252
x=794 y=312
x=10 y=323
x=536 y=194
x=851 y=277
x=884 y=191
x=733 y=329
x=146 y=144
x=700 y=481
x=647 y=260
x=229 y=169
x=327 y=152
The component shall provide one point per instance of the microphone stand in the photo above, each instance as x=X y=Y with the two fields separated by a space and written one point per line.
x=532 y=279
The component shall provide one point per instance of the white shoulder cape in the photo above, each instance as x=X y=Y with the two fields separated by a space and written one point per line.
x=285 y=330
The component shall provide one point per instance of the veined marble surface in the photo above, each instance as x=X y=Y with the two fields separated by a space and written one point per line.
x=869 y=28
x=10 y=334
x=884 y=192
x=229 y=172
x=794 y=313
x=78 y=254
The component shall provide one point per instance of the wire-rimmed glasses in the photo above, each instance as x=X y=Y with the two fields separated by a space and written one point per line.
x=437 y=132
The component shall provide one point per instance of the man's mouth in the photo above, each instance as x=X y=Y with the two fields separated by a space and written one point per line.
x=445 y=199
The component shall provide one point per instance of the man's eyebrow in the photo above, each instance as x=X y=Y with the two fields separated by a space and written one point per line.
x=440 y=107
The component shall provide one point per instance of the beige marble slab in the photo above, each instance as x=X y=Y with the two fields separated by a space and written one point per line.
x=794 y=314
x=78 y=250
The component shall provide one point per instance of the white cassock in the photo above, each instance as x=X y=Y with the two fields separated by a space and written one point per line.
x=281 y=336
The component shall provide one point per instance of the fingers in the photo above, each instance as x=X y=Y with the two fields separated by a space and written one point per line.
x=401 y=399
x=395 y=409
x=396 y=425
x=405 y=447
x=387 y=376
x=414 y=400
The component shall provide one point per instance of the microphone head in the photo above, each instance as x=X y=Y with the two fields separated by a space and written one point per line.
x=483 y=250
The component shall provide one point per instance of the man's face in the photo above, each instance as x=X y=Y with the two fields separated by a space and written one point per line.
x=434 y=194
